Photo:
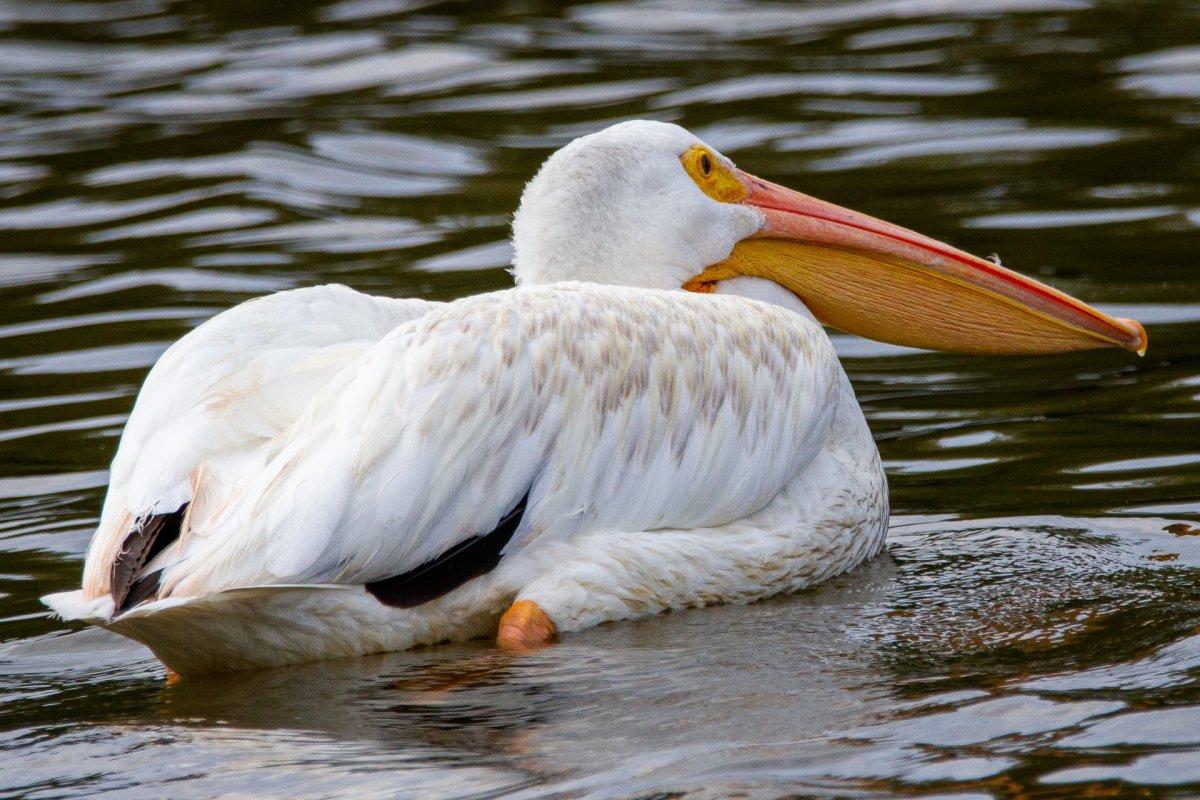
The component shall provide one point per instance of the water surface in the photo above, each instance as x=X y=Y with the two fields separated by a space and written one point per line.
x=1034 y=626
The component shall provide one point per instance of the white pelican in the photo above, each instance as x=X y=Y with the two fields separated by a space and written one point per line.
x=321 y=473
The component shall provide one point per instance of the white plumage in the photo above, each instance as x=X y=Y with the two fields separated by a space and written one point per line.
x=663 y=448
x=225 y=390
x=718 y=457
x=577 y=394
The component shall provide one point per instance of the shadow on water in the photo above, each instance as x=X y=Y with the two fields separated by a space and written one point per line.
x=1032 y=629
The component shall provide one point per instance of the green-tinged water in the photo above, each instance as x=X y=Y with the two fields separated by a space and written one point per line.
x=1033 y=629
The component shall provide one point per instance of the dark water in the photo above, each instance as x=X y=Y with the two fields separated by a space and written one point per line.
x=1032 y=631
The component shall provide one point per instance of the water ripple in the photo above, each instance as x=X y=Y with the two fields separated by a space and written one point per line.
x=1031 y=629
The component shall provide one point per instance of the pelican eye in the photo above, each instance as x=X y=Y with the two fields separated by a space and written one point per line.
x=713 y=175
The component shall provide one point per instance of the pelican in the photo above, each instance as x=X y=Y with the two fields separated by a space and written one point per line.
x=652 y=419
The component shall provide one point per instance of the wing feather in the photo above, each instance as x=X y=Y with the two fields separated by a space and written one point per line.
x=614 y=408
x=468 y=559
x=225 y=388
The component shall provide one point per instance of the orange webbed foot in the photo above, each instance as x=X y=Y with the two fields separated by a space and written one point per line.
x=525 y=627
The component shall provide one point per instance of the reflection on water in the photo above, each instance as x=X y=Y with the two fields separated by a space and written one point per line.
x=1033 y=626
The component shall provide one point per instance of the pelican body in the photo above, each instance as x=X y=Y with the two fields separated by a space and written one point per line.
x=653 y=418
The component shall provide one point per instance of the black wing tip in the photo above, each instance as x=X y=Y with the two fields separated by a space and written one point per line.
x=443 y=574
x=149 y=537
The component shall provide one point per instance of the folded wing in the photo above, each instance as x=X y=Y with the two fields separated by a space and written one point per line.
x=589 y=407
x=222 y=391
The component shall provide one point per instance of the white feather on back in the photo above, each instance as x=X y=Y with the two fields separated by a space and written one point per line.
x=227 y=387
x=617 y=409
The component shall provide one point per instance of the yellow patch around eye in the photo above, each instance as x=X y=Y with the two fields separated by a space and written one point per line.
x=712 y=176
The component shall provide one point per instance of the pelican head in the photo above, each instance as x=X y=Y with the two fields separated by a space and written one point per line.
x=648 y=204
